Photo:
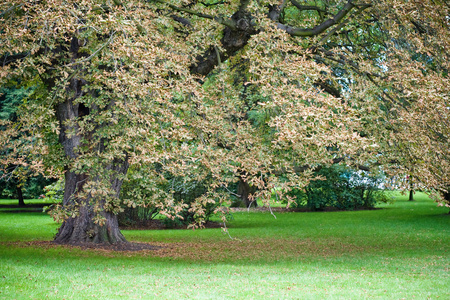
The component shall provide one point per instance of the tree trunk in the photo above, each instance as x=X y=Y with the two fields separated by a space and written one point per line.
x=82 y=228
x=411 y=195
x=244 y=190
x=232 y=41
x=20 y=195
x=447 y=197
x=411 y=188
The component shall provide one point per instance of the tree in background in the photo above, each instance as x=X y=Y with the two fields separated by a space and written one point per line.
x=149 y=84
x=411 y=87
x=16 y=180
x=10 y=184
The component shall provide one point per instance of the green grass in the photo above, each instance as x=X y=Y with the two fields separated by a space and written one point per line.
x=26 y=201
x=398 y=252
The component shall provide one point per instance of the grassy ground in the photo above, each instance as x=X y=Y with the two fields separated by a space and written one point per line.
x=44 y=201
x=398 y=252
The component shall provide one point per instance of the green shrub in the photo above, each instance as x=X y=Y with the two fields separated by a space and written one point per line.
x=54 y=192
x=186 y=191
x=143 y=194
x=342 y=189
x=137 y=215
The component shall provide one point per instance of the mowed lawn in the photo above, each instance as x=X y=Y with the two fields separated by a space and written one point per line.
x=400 y=251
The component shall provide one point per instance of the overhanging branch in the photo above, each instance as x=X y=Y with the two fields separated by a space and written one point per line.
x=221 y=20
x=307 y=7
x=7 y=59
x=295 y=31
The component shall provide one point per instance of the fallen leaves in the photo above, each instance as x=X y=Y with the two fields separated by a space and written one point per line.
x=253 y=250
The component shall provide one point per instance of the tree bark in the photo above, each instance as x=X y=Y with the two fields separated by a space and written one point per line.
x=232 y=41
x=244 y=190
x=411 y=189
x=82 y=228
x=411 y=195
x=20 y=195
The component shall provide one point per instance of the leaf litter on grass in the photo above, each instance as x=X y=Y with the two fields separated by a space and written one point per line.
x=206 y=251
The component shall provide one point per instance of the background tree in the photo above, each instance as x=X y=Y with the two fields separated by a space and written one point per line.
x=412 y=89
x=10 y=184
x=17 y=181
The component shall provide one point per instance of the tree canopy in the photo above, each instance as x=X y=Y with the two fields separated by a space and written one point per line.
x=220 y=91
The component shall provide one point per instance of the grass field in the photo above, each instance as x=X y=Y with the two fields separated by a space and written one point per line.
x=400 y=251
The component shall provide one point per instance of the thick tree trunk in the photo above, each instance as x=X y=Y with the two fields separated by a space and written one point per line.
x=82 y=228
x=20 y=195
x=244 y=190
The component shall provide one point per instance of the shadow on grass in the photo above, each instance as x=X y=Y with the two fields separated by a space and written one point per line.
x=22 y=210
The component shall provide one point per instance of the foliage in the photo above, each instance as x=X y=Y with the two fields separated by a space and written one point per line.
x=20 y=176
x=410 y=118
x=55 y=191
x=136 y=215
x=183 y=190
x=341 y=188
x=10 y=100
x=32 y=187
x=260 y=91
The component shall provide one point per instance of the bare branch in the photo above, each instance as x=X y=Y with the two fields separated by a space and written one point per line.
x=6 y=11
x=7 y=59
x=181 y=20
x=340 y=26
x=295 y=31
x=234 y=194
x=213 y=4
x=221 y=20
x=307 y=7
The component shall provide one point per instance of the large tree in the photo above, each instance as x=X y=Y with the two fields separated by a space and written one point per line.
x=154 y=83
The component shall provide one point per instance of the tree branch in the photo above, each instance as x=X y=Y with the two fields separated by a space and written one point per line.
x=93 y=54
x=7 y=59
x=276 y=11
x=307 y=7
x=295 y=31
x=328 y=88
x=340 y=26
x=181 y=20
x=6 y=11
x=213 y=4
x=221 y=20
x=243 y=5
